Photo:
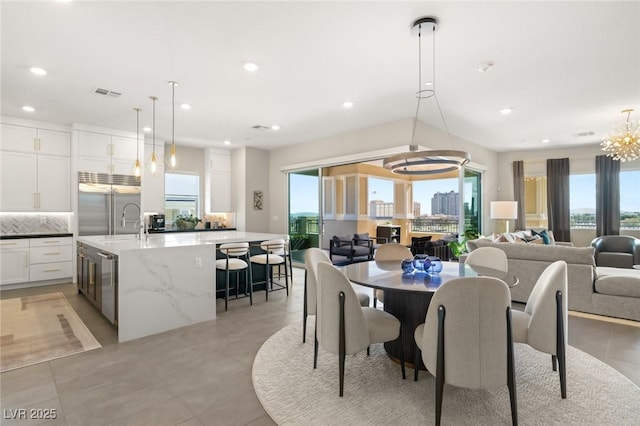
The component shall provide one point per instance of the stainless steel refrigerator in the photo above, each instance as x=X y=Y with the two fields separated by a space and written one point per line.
x=103 y=201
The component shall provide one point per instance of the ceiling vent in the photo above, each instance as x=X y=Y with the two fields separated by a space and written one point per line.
x=583 y=134
x=105 y=92
x=260 y=127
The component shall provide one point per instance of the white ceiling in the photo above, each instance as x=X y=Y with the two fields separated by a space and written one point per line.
x=564 y=68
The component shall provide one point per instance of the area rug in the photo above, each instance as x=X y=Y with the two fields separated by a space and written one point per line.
x=40 y=328
x=293 y=393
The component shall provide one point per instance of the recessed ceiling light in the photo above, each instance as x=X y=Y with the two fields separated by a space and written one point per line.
x=347 y=104
x=227 y=142
x=38 y=71
x=28 y=108
x=185 y=106
x=146 y=129
x=546 y=140
x=275 y=127
x=485 y=66
x=250 y=66
x=505 y=111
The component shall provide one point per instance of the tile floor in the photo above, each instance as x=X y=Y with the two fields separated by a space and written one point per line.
x=201 y=375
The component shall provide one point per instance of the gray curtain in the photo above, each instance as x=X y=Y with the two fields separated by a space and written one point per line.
x=558 y=198
x=518 y=193
x=607 y=196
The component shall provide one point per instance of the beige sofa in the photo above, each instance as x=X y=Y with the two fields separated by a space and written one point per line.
x=602 y=291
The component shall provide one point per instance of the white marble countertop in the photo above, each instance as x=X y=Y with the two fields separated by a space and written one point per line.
x=117 y=244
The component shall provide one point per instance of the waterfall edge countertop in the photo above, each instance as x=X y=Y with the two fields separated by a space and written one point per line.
x=167 y=281
x=118 y=244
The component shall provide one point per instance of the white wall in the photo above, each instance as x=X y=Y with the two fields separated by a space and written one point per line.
x=359 y=145
x=257 y=179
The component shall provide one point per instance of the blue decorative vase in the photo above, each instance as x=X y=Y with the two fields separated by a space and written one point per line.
x=407 y=266
x=421 y=263
x=436 y=265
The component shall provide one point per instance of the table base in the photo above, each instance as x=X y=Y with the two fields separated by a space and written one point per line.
x=411 y=310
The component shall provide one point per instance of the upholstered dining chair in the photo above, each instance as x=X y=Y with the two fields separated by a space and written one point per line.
x=273 y=256
x=491 y=258
x=343 y=326
x=543 y=324
x=312 y=257
x=236 y=259
x=390 y=251
x=466 y=339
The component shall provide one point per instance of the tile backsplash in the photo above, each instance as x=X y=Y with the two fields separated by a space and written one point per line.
x=34 y=223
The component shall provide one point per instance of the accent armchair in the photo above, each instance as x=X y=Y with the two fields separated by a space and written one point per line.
x=618 y=251
x=351 y=247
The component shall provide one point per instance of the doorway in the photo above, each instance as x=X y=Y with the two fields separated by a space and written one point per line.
x=305 y=217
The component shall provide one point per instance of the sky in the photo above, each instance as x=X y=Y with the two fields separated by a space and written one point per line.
x=304 y=190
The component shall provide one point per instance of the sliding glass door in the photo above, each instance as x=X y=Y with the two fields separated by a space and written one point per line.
x=305 y=217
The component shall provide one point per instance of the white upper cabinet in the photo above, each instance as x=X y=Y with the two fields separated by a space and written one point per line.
x=219 y=174
x=32 y=140
x=35 y=169
x=153 y=185
x=104 y=153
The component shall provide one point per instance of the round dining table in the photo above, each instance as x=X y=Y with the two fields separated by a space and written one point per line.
x=406 y=295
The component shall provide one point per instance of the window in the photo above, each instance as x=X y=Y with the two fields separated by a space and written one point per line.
x=380 y=198
x=436 y=205
x=630 y=200
x=182 y=195
x=582 y=201
x=535 y=201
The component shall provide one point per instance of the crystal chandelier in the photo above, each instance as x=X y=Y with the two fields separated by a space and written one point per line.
x=624 y=143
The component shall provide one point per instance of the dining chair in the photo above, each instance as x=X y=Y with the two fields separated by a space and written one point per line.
x=271 y=257
x=466 y=339
x=488 y=257
x=543 y=324
x=390 y=251
x=236 y=259
x=343 y=326
x=312 y=257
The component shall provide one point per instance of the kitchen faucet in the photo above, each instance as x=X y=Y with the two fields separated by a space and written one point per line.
x=138 y=224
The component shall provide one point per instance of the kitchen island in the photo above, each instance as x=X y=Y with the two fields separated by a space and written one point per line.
x=166 y=281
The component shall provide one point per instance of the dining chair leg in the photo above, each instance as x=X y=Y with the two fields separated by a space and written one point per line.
x=511 y=372
x=304 y=310
x=560 y=345
x=250 y=281
x=404 y=376
x=315 y=344
x=440 y=364
x=416 y=363
x=266 y=281
x=226 y=291
x=553 y=363
x=286 y=277
x=342 y=343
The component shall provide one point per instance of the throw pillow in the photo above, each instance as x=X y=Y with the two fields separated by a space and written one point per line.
x=537 y=241
x=361 y=239
x=501 y=239
x=543 y=234
x=339 y=241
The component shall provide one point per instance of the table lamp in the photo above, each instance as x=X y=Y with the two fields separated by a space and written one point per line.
x=504 y=210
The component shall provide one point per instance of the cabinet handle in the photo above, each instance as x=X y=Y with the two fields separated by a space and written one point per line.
x=52 y=242
x=52 y=270
x=8 y=244
x=39 y=144
x=39 y=200
x=92 y=273
x=113 y=150
x=52 y=253
x=35 y=144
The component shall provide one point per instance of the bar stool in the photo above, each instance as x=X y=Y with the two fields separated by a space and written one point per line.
x=274 y=255
x=233 y=262
x=286 y=253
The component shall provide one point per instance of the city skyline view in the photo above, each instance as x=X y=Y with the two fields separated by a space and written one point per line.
x=306 y=192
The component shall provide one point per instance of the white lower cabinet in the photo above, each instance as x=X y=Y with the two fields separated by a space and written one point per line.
x=36 y=259
x=14 y=261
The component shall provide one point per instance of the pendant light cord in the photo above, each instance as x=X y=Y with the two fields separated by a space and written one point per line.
x=420 y=90
x=137 y=134
x=173 y=113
